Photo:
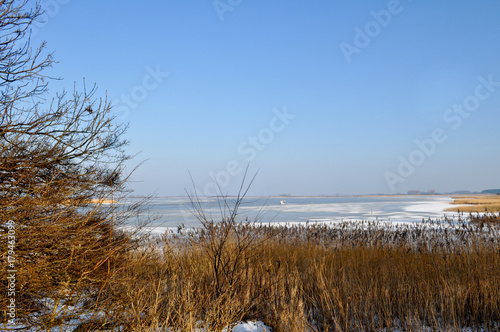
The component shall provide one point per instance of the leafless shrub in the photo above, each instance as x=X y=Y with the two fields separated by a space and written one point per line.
x=58 y=162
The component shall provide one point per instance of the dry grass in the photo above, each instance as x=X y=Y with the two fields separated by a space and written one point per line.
x=350 y=276
x=476 y=208
x=353 y=276
x=479 y=203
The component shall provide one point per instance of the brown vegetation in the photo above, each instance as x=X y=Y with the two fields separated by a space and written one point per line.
x=58 y=250
x=344 y=277
x=479 y=203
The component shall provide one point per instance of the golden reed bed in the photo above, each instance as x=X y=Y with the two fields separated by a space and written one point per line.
x=476 y=203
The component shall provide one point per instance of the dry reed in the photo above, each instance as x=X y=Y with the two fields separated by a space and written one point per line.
x=443 y=275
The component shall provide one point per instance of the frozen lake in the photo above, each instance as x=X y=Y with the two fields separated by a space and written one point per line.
x=175 y=211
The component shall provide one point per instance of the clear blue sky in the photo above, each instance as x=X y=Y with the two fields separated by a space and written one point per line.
x=322 y=97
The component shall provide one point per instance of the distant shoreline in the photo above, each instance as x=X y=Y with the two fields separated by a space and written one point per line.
x=374 y=195
x=102 y=201
x=319 y=196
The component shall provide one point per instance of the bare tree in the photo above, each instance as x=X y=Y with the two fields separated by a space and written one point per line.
x=59 y=161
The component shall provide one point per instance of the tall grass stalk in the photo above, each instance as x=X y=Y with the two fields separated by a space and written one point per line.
x=443 y=275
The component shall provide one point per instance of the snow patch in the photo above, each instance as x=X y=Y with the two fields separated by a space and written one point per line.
x=251 y=327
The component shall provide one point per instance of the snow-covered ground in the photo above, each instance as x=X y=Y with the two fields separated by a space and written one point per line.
x=251 y=327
